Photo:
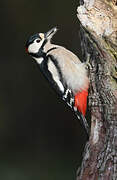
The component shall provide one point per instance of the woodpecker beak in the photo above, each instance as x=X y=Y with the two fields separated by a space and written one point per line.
x=50 y=33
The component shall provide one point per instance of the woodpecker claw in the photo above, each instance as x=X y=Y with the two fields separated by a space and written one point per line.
x=87 y=63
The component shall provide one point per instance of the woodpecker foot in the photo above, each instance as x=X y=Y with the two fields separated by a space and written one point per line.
x=87 y=63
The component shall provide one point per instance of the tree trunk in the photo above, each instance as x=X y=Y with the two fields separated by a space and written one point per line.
x=98 y=32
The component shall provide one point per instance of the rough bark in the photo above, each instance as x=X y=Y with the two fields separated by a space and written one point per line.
x=98 y=32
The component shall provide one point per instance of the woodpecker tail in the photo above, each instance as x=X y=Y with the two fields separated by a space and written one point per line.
x=78 y=104
x=83 y=121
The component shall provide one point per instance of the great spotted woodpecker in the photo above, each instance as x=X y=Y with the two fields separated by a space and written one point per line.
x=65 y=72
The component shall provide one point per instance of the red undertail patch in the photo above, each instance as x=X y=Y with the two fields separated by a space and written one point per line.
x=81 y=101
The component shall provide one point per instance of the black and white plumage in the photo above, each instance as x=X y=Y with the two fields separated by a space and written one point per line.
x=65 y=72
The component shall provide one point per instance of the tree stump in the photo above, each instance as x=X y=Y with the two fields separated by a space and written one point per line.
x=98 y=33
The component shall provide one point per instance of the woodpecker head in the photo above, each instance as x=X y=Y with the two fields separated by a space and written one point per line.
x=35 y=44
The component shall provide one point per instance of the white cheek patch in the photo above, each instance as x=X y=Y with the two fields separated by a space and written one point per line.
x=39 y=60
x=55 y=75
x=34 y=47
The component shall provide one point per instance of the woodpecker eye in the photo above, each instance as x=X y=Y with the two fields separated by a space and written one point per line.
x=38 y=40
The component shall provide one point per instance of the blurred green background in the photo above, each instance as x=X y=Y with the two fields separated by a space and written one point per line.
x=40 y=138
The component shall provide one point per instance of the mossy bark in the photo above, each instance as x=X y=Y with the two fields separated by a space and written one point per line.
x=99 y=40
